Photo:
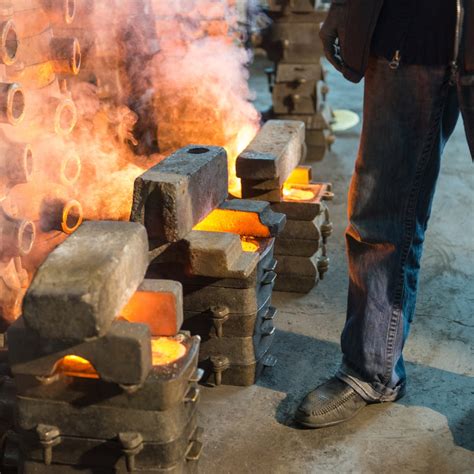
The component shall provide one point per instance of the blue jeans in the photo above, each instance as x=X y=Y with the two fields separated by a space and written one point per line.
x=409 y=114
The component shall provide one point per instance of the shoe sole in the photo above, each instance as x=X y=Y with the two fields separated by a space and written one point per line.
x=331 y=423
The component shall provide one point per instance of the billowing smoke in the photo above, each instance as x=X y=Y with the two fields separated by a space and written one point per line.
x=154 y=75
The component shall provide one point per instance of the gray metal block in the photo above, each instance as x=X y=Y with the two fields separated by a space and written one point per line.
x=304 y=230
x=300 y=266
x=295 y=284
x=107 y=453
x=218 y=322
x=93 y=421
x=291 y=52
x=238 y=350
x=299 y=97
x=319 y=121
x=299 y=29
x=249 y=192
x=237 y=301
x=274 y=152
x=300 y=275
x=219 y=369
x=122 y=356
x=319 y=138
x=317 y=153
x=162 y=389
x=267 y=217
x=176 y=194
x=305 y=210
x=85 y=282
x=219 y=255
x=179 y=271
x=288 y=72
x=296 y=247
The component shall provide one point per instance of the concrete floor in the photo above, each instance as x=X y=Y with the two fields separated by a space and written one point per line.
x=250 y=430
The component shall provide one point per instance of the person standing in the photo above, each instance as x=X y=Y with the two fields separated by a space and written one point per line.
x=417 y=57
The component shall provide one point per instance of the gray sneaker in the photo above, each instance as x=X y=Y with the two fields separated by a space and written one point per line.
x=331 y=403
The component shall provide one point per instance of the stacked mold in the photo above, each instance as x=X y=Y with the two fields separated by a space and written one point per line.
x=298 y=79
x=222 y=253
x=103 y=380
x=37 y=173
x=269 y=170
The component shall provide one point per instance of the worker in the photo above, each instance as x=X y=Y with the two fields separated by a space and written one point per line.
x=417 y=57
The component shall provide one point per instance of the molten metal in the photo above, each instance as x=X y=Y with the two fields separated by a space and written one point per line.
x=75 y=366
x=166 y=350
x=292 y=193
x=249 y=244
x=156 y=310
x=235 y=222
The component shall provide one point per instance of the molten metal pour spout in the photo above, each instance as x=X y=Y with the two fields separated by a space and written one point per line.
x=12 y=103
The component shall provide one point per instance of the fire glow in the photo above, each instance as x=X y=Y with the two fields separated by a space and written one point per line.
x=167 y=350
x=164 y=350
x=292 y=193
x=75 y=366
x=73 y=145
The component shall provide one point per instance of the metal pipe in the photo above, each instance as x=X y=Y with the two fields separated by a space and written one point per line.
x=17 y=236
x=66 y=55
x=65 y=216
x=64 y=114
x=12 y=103
x=60 y=11
x=8 y=43
x=16 y=163
x=52 y=208
x=65 y=169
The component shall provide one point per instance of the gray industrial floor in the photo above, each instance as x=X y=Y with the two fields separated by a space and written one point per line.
x=250 y=430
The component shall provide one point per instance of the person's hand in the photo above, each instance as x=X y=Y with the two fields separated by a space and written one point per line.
x=332 y=31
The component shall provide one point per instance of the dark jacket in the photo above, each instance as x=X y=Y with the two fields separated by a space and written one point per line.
x=356 y=20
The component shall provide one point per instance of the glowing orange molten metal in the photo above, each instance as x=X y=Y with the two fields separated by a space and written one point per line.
x=75 y=366
x=166 y=350
x=291 y=193
x=235 y=222
x=156 y=310
x=234 y=149
x=249 y=244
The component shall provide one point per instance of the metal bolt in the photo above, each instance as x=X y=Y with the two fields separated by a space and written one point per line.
x=49 y=437
x=219 y=365
x=220 y=314
x=132 y=444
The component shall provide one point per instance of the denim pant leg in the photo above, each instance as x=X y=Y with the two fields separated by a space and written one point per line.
x=466 y=102
x=409 y=114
